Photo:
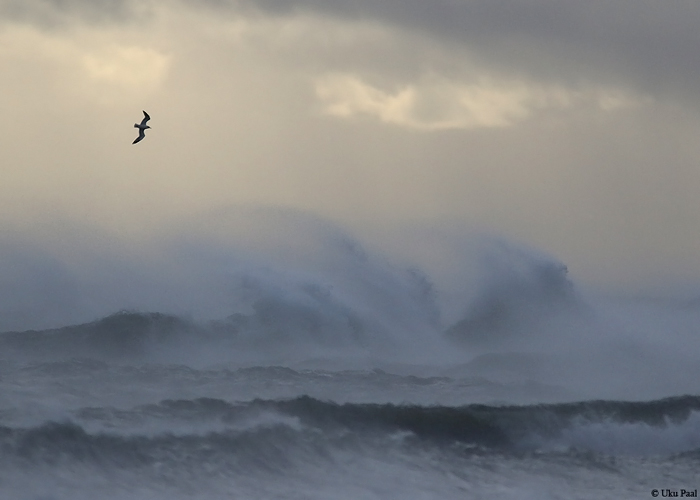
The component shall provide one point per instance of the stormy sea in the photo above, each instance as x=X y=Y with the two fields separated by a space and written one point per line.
x=286 y=359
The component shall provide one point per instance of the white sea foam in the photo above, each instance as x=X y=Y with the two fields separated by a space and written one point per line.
x=270 y=306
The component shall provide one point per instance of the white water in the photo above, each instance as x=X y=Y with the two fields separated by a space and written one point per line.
x=272 y=306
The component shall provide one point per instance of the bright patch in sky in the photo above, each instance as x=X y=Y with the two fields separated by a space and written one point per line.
x=126 y=65
x=435 y=103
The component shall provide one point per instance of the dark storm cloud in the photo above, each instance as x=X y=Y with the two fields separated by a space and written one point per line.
x=649 y=44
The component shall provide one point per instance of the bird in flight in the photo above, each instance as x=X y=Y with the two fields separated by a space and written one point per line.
x=142 y=127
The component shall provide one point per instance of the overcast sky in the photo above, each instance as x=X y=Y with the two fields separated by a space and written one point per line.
x=570 y=125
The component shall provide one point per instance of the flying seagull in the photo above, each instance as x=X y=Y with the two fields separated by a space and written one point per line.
x=142 y=127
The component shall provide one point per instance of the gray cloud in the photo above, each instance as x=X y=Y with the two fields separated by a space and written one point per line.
x=647 y=44
x=53 y=13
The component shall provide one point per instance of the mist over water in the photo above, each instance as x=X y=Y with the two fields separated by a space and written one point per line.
x=262 y=340
x=274 y=284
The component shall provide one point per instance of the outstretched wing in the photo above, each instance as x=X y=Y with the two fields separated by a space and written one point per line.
x=141 y=136
x=145 y=119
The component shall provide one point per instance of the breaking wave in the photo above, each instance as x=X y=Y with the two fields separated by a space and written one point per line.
x=270 y=432
x=293 y=289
